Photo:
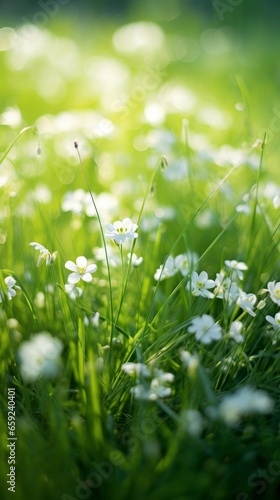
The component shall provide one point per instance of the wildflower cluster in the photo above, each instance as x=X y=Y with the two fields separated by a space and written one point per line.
x=150 y=384
x=182 y=263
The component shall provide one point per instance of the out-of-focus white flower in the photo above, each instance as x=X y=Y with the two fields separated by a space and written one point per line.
x=45 y=255
x=246 y=301
x=274 y=291
x=74 y=201
x=73 y=291
x=136 y=261
x=121 y=230
x=244 y=401
x=114 y=258
x=200 y=285
x=185 y=262
x=93 y=320
x=81 y=270
x=153 y=389
x=235 y=331
x=40 y=356
x=192 y=422
x=9 y=291
x=190 y=361
x=205 y=329
x=167 y=270
x=136 y=369
x=275 y=322
x=237 y=268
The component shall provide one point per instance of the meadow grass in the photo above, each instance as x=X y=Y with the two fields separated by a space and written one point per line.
x=126 y=395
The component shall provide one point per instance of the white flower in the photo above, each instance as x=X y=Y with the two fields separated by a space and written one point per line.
x=40 y=356
x=73 y=291
x=81 y=270
x=246 y=301
x=93 y=321
x=121 y=230
x=237 y=268
x=136 y=261
x=243 y=402
x=136 y=369
x=225 y=288
x=275 y=322
x=44 y=254
x=10 y=292
x=151 y=390
x=74 y=201
x=205 y=329
x=184 y=262
x=114 y=259
x=167 y=270
x=192 y=422
x=235 y=331
x=200 y=284
x=274 y=290
x=190 y=361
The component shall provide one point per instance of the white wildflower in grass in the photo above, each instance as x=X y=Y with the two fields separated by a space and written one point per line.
x=246 y=301
x=275 y=322
x=119 y=231
x=93 y=320
x=40 y=356
x=225 y=289
x=9 y=291
x=167 y=270
x=81 y=270
x=45 y=255
x=136 y=369
x=200 y=285
x=185 y=262
x=235 y=331
x=205 y=329
x=114 y=258
x=192 y=422
x=274 y=291
x=73 y=291
x=189 y=361
x=153 y=389
x=245 y=401
x=237 y=268
x=74 y=201
x=136 y=261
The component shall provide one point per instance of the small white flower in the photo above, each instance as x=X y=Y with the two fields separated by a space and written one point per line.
x=136 y=369
x=40 y=356
x=190 y=361
x=275 y=322
x=185 y=262
x=246 y=301
x=10 y=291
x=235 y=331
x=274 y=290
x=121 y=230
x=73 y=291
x=244 y=401
x=192 y=422
x=136 y=261
x=93 y=320
x=205 y=329
x=237 y=268
x=167 y=270
x=81 y=270
x=201 y=284
x=45 y=255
